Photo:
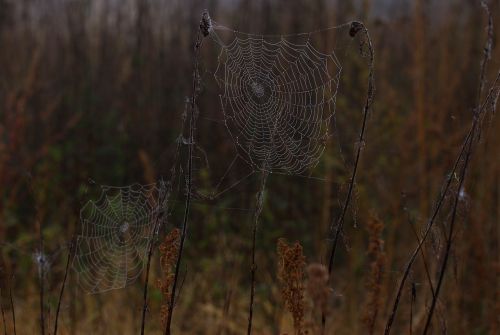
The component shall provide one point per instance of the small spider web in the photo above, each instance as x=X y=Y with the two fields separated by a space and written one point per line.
x=117 y=230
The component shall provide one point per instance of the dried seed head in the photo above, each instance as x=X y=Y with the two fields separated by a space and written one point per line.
x=169 y=250
x=291 y=264
x=355 y=28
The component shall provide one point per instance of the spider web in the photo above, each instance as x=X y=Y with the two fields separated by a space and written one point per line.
x=117 y=230
x=278 y=98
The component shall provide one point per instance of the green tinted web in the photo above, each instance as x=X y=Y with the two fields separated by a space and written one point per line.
x=117 y=230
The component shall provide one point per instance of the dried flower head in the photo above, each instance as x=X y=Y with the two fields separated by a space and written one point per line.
x=169 y=250
x=291 y=264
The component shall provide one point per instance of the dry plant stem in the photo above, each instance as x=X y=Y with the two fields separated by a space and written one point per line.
x=464 y=150
x=3 y=314
x=41 y=275
x=204 y=24
x=148 y=266
x=475 y=128
x=361 y=140
x=413 y=296
x=145 y=295
x=13 y=309
x=487 y=50
x=258 y=211
x=424 y=237
x=68 y=261
x=435 y=213
x=426 y=267
x=450 y=233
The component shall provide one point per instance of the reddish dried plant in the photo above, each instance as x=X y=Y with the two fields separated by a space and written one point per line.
x=169 y=250
x=291 y=265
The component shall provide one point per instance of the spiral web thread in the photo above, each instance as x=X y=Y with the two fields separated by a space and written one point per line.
x=278 y=98
x=117 y=230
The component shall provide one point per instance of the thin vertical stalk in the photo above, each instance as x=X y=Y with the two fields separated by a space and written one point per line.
x=424 y=260
x=13 y=309
x=61 y=293
x=3 y=314
x=465 y=150
x=41 y=274
x=203 y=31
x=424 y=237
x=258 y=210
x=475 y=128
x=440 y=201
x=412 y=303
x=156 y=228
x=355 y=28
x=145 y=294
x=450 y=235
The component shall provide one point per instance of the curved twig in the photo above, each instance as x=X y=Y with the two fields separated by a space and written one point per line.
x=355 y=28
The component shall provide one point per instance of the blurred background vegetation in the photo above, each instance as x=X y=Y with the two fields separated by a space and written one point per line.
x=93 y=92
